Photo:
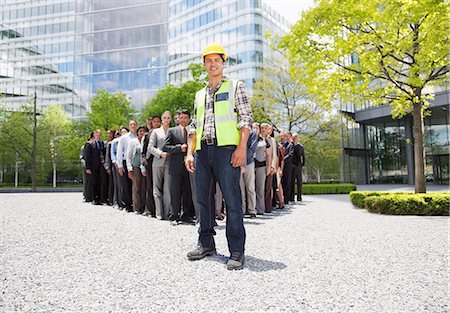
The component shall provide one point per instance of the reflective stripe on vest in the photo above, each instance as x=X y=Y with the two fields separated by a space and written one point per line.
x=224 y=115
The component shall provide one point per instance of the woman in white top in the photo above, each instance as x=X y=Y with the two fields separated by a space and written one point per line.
x=160 y=167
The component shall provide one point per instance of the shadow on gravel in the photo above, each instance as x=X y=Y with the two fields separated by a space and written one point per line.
x=251 y=263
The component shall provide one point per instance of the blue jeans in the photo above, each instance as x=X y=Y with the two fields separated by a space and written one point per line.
x=213 y=164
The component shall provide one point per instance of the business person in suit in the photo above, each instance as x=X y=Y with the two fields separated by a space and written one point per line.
x=180 y=190
x=95 y=158
x=298 y=162
x=153 y=122
x=108 y=159
x=160 y=167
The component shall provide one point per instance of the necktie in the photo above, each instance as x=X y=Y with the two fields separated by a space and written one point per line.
x=184 y=135
x=97 y=144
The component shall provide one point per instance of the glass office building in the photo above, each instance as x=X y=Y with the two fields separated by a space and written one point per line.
x=120 y=45
x=240 y=26
x=36 y=54
x=379 y=149
x=67 y=50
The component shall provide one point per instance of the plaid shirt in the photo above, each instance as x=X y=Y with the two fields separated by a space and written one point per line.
x=244 y=116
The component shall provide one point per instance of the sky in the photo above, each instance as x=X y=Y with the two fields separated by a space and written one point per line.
x=290 y=9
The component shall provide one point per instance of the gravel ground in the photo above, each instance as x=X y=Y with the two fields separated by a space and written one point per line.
x=61 y=255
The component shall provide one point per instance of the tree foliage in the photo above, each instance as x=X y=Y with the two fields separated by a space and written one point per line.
x=376 y=51
x=280 y=98
x=172 y=98
x=323 y=150
x=110 y=110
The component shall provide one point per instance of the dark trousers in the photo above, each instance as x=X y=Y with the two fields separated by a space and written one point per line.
x=126 y=186
x=149 y=200
x=96 y=183
x=87 y=186
x=214 y=163
x=296 y=181
x=103 y=185
x=110 y=188
x=286 y=181
x=180 y=196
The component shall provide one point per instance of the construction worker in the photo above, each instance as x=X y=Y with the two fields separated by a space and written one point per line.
x=218 y=137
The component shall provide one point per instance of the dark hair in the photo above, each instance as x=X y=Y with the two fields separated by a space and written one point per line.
x=142 y=127
x=220 y=54
x=123 y=127
x=156 y=116
x=184 y=111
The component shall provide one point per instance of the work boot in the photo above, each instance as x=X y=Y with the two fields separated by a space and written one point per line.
x=236 y=261
x=200 y=252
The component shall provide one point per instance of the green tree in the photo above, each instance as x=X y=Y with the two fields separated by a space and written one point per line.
x=323 y=150
x=377 y=51
x=280 y=98
x=55 y=124
x=172 y=98
x=110 y=110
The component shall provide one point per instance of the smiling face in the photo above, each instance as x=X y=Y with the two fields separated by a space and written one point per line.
x=133 y=126
x=214 y=65
x=166 y=119
x=183 y=119
x=141 y=133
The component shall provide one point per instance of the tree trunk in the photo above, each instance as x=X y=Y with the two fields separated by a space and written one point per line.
x=419 y=149
x=54 y=174
x=33 y=147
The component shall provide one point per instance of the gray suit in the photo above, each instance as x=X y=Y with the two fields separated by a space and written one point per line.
x=160 y=171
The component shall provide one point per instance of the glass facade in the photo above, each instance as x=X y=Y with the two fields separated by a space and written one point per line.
x=120 y=46
x=240 y=26
x=377 y=151
x=67 y=50
x=36 y=53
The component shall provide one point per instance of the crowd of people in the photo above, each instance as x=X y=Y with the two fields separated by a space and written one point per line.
x=141 y=169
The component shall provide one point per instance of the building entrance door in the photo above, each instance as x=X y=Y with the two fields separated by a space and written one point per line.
x=441 y=169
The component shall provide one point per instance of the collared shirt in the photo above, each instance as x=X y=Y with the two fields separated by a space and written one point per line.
x=122 y=147
x=244 y=111
x=114 y=143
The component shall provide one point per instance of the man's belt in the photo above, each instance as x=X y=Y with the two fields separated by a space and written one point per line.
x=209 y=141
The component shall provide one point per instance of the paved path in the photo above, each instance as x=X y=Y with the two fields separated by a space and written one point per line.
x=320 y=256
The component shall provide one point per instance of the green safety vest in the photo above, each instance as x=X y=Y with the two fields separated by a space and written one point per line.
x=225 y=115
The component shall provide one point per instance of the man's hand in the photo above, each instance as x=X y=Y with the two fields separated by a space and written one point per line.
x=238 y=157
x=144 y=174
x=130 y=175
x=165 y=155
x=183 y=147
x=121 y=171
x=189 y=163
x=89 y=172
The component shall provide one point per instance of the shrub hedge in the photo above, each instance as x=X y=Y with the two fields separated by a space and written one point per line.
x=317 y=189
x=403 y=203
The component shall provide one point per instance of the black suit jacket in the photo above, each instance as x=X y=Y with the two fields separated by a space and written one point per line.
x=172 y=144
x=299 y=155
x=95 y=156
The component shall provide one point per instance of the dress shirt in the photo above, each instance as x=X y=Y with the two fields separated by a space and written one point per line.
x=114 y=143
x=122 y=147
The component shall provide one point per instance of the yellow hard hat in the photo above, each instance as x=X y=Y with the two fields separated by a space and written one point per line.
x=214 y=48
